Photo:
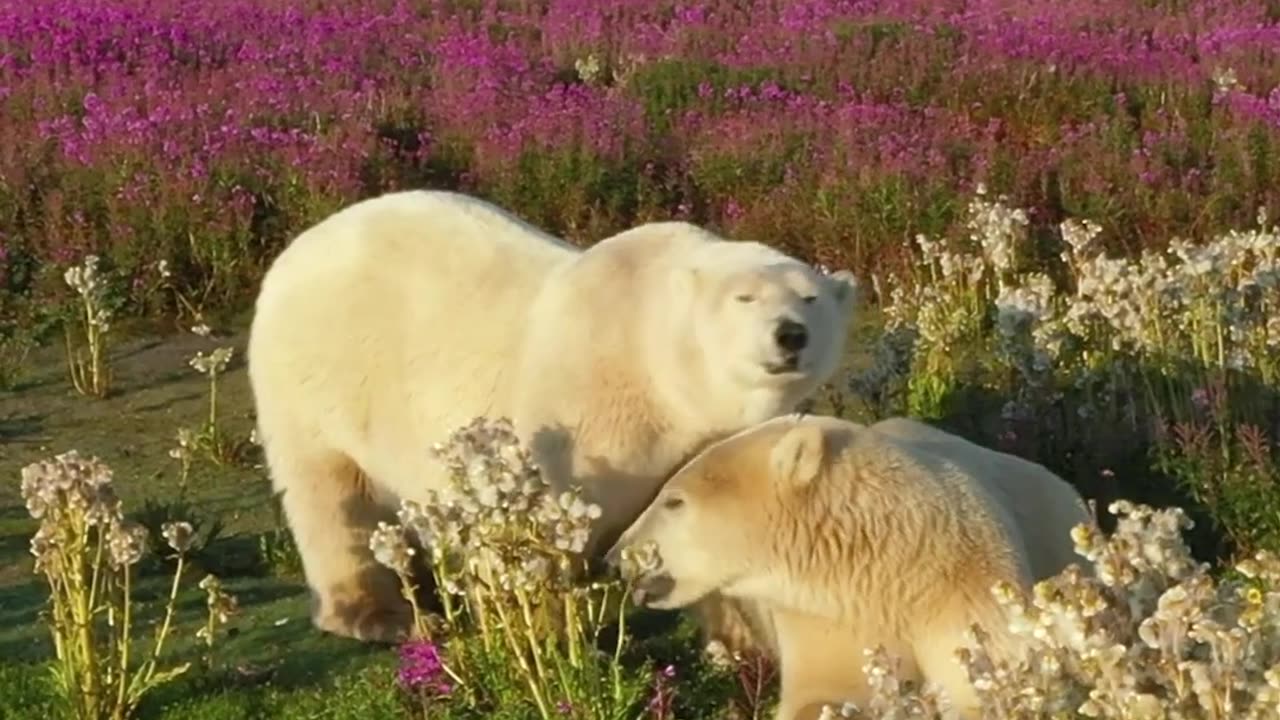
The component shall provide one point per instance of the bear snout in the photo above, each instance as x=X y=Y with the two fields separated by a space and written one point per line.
x=791 y=336
x=613 y=558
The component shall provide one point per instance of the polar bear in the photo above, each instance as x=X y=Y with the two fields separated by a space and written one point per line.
x=845 y=537
x=396 y=320
x=1044 y=517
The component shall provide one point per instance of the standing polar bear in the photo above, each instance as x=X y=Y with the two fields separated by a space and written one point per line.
x=398 y=319
x=843 y=537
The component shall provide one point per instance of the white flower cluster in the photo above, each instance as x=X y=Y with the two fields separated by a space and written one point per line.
x=186 y=447
x=69 y=495
x=1216 y=302
x=500 y=521
x=892 y=698
x=1215 y=305
x=86 y=279
x=390 y=546
x=213 y=363
x=1026 y=338
x=1149 y=635
x=1225 y=80
x=997 y=229
x=587 y=68
x=221 y=604
x=179 y=535
x=950 y=305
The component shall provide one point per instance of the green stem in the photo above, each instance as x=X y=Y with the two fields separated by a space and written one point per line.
x=73 y=361
x=122 y=681
x=534 y=680
x=168 y=610
x=83 y=618
x=213 y=408
x=97 y=566
x=446 y=598
x=571 y=629
x=408 y=590
x=482 y=616
x=616 y=665
x=527 y=614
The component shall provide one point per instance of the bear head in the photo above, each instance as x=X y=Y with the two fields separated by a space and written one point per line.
x=730 y=519
x=767 y=320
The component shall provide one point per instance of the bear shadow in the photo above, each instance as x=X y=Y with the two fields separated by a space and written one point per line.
x=651 y=629
x=556 y=441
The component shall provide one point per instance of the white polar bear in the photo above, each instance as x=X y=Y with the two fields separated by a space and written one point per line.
x=398 y=319
x=844 y=537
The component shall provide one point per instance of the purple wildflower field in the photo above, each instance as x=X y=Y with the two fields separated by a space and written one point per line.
x=206 y=134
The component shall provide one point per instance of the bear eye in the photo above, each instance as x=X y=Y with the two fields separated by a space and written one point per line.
x=673 y=503
x=809 y=299
x=745 y=298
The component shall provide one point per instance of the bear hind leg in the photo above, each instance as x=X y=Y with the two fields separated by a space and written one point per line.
x=331 y=512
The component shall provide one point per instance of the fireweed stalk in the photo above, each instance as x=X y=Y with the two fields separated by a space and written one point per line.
x=506 y=553
x=86 y=551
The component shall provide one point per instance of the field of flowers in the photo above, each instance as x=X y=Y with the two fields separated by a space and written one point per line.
x=1062 y=213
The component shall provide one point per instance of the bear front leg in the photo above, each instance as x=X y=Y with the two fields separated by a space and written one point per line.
x=740 y=625
x=821 y=663
x=331 y=514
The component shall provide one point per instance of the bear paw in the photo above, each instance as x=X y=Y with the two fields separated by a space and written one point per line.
x=365 y=620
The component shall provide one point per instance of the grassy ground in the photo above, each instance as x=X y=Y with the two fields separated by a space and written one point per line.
x=273 y=654
x=273 y=664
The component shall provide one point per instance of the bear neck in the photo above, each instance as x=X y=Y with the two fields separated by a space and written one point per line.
x=864 y=530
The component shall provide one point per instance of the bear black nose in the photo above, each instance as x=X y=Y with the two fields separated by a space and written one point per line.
x=791 y=336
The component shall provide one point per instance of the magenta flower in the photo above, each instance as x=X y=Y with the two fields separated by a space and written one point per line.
x=662 y=702
x=421 y=668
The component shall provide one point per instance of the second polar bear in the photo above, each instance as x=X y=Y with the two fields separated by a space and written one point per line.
x=400 y=318
x=845 y=537
x=1044 y=506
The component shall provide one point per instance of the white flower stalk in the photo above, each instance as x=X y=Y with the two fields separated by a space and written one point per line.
x=88 y=365
x=1148 y=634
x=86 y=551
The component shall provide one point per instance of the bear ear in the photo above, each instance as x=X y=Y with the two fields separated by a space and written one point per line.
x=797 y=458
x=843 y=285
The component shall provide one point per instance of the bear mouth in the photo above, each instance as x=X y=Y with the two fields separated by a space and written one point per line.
x=652 y=589
x=788 y=364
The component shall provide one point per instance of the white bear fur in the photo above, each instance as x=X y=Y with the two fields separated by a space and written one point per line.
x=844 y=537
x=394 y=321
